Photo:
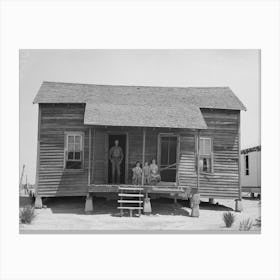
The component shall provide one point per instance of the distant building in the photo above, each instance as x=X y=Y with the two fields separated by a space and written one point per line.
x=251 y=169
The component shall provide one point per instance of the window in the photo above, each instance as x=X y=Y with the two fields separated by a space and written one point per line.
x=205 y=155
x=74 y=150
x=247 y=165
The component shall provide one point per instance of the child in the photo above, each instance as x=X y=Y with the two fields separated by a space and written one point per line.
x=137 y=174
x=146 y=172
x=154 y=173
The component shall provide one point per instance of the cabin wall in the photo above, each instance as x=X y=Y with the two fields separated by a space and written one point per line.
x=223 y=128
x=53 y=179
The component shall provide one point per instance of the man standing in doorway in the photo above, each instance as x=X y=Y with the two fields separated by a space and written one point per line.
x=116 y=158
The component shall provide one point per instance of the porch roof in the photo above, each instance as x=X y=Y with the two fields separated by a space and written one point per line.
x=184 y=116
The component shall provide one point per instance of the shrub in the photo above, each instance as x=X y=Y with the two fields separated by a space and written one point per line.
x=228 y=218
x=258 y=222
x=246 y=224
x=26 y=214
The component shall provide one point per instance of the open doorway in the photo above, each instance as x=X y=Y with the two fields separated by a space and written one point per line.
x=168 y=158
x=121 y=139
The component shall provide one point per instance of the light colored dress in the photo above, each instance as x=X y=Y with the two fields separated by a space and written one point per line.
x=146 y=172
x=154 y=174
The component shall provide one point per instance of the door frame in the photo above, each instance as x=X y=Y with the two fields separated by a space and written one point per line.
x=173 y=134
x=118 y=132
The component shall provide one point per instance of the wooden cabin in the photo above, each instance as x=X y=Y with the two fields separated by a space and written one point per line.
x=193 y=133
x=251 y=170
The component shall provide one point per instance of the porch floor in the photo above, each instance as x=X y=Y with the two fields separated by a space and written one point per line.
x=163 y=187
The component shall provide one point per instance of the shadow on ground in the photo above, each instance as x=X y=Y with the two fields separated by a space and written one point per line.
x=214 y=207
x=160 y=206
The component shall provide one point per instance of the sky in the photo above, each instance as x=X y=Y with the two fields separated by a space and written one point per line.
x=237 y=69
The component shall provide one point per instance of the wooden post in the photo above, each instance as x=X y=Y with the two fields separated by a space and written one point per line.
x=178 y=160
x=239 y=159
x=195 y=199
x=38 y=199
x=197 y=159
x=238 y=202
x=143 y=153
x=89 y=155
x=93 y=155
x=38 y=151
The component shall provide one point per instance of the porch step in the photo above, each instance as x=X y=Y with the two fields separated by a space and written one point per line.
x=130 y=201
x=135 y=193
x=130 y=208
x=131 y=188
x=131 y=195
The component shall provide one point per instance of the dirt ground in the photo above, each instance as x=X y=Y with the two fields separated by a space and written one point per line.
x=68 y=214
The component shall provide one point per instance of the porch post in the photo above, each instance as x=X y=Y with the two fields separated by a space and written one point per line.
x=38 y=199
x=238 y=202
x=197 y=159
x=143 y=152
x=195 y=200
x=89 y=156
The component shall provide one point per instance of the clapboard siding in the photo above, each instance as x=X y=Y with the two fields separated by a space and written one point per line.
x=53 y=179
x=223 y=128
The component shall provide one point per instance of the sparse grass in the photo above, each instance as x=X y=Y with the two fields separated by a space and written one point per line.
x=26 y=214
x=259 y=219
x=258 y=222
x=246 y=225
x=228 y=218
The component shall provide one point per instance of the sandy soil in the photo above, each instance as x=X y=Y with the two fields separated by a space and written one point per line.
x=68 y=214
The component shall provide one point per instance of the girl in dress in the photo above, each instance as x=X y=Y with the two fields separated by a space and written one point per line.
x=137 y=174
x=154 y=173
x=146 y=172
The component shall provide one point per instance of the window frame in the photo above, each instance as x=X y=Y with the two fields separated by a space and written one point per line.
x=207 y=156
x=66 y=151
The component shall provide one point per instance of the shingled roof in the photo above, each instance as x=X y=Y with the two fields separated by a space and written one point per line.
x=141 y=105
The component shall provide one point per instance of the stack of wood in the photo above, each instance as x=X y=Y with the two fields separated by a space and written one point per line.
x=130 y=198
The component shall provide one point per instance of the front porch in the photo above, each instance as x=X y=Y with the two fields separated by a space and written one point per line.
x=160 y=188
x=138 y=196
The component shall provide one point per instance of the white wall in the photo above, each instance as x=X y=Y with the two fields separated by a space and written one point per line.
x=254 y=177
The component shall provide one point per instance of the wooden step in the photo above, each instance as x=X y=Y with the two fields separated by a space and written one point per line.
x=131 y=189
x=130 y=201
x=130 y=208
x=131 y=194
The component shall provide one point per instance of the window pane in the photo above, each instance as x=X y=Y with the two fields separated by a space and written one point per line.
x=77 y=155
x=77 y=147
x=78 y=140
x=205 y=165
x=207 y=147
x=70 y=139
x=71 y=147
x=70 y=155
x=201 y=146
